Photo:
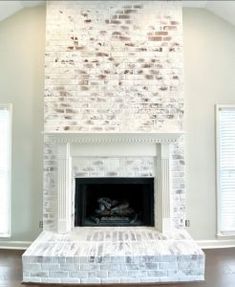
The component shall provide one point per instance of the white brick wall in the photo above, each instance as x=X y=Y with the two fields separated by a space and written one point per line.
x=113 y=66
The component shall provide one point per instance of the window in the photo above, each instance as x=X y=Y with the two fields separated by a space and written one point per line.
x=5 y=169
x=225 y=133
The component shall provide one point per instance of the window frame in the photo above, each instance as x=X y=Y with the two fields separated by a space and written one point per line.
x=220 y=233
x=9 y=107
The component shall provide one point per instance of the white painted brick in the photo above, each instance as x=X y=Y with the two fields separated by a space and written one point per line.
x=31 y=267
x=130 y=280
x=89 y=267
x=32 y=279
x=117 y=274
x=102 y=274
x=157 y=273
x=51 y=280
x=112 y=267
x=71 y=280
x=79 y=274
x=69 y=267
x=50 y=266
x=39 y=274
x=110 y=280
x=59 y=274
x=90 y=280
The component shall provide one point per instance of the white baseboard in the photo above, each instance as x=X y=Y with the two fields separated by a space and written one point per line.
x=18 y=245
x=216 y=243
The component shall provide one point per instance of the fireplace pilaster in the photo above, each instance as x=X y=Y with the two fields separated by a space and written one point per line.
x=163 y=202
x=64 y=180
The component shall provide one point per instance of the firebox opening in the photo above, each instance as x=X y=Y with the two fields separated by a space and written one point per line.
x=114 y=202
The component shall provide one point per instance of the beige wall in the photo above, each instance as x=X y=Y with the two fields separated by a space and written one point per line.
x=21 y=83
x=209 y=72
x=209 y=45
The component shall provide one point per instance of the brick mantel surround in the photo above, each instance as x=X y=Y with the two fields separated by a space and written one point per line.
x=113 y=107
x=68 y=143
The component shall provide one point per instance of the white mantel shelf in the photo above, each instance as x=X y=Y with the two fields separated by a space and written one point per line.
x=77 y=137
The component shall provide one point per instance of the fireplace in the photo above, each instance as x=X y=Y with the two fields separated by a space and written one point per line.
x=113 y=147
x=114 y=202
x=113 y=214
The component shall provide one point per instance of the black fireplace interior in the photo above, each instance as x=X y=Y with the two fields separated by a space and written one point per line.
x=114 y=202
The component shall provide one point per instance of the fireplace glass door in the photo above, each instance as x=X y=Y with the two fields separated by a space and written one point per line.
x=114 y=202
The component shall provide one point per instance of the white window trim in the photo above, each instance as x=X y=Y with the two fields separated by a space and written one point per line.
x=220 y=235
x=7 y=235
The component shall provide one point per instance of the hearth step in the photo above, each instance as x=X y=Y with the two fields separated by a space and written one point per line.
x=113 y=255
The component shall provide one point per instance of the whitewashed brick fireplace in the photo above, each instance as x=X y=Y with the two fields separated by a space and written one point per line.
x=113 y=96
x=151 y=149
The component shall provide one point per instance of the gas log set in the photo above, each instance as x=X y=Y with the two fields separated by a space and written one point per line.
x=111 y=210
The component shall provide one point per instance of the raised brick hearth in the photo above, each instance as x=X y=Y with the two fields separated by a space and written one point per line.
x=117 y=255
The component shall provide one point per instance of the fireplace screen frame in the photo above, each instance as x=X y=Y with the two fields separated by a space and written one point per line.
x=80 y=199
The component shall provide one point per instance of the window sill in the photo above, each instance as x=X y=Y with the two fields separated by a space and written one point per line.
x=6 y=235
x=230 y=235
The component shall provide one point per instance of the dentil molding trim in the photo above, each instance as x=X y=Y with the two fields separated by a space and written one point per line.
x=100 y=138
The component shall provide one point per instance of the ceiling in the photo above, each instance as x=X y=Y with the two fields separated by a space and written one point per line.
x=8 y=8
x=223 y=9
